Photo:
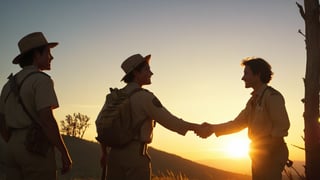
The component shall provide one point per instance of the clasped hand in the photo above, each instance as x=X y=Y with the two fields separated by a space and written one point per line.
x=204 y=130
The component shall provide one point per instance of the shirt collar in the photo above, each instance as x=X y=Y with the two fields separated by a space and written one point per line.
x=259 y=91
x=131 y=86
x=30 y=68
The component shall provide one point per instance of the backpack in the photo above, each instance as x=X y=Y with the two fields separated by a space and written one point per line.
x=114 y=122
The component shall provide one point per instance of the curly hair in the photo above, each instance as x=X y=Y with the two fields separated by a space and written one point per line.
x=259 y=66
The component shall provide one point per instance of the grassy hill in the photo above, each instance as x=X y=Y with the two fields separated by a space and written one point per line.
x=85 y=156
x=163 y=162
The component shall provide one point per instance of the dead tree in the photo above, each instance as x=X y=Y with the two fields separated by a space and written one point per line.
x=310 y=14
x=75 y=125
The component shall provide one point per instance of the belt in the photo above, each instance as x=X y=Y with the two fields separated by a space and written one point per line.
x=267 y=141
x=143 y=147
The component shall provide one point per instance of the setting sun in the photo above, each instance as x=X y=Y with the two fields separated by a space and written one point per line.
x=237 y=148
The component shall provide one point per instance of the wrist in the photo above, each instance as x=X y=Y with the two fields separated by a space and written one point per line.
x=192 y=126
x=212 y=128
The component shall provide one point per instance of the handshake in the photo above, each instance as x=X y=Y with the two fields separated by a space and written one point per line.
x=203 y=130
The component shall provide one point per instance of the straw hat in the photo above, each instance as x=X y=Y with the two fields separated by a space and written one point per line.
x=30 y=42
x=132 y=62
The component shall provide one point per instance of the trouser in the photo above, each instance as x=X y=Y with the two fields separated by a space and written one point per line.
x=23 y=165
x=268 y=161
x=129 y=163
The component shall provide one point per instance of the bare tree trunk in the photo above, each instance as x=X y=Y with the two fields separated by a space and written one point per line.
x=311 y=106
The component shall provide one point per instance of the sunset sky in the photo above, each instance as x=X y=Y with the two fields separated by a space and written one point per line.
x=196 y=47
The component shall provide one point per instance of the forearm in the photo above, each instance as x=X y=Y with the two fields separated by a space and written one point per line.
x=180 y=126
x=173 y=123
x=193 y=126
x=50 y=128
x=227 y=128
x=55 y=137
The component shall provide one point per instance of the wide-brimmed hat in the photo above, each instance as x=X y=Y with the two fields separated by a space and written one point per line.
x=132 y=62
x=31 y=41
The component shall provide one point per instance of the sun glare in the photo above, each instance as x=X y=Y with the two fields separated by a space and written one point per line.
x=237 y=148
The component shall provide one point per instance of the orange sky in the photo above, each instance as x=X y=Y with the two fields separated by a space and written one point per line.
x=196 y=48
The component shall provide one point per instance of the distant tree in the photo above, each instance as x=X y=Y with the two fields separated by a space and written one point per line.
x=75 y=125
x=311 y=14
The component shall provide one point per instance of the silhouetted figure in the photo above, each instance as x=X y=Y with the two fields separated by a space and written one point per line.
x=26 y=120
x=132 y=161
x=267 y=121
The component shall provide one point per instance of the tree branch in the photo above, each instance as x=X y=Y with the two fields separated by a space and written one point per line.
x=300 y=32
x=301 y=10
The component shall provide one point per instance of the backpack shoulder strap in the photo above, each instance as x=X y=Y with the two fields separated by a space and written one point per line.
x=136 y=128
x=15 y=88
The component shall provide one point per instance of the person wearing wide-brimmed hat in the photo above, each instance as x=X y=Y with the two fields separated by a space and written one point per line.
x=37 y=100
x=132 y=161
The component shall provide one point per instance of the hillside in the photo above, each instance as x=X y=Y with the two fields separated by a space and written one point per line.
x=162 y=161
x=85 y=156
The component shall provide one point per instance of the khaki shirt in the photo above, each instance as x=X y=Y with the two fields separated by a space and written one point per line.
x=146 y=106
x=265 y=115
x=37 y=92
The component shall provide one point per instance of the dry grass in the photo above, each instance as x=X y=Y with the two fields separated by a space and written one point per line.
x=292 y=173
x=169 y=175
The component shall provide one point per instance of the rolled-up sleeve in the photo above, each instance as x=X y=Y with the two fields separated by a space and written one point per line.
x=45 y=95
x=160 y=114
